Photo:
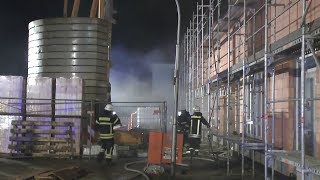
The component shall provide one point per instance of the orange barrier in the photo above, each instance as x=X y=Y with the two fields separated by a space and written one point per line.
x=159 y=151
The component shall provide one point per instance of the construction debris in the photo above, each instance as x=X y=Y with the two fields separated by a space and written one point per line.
x=69 y=173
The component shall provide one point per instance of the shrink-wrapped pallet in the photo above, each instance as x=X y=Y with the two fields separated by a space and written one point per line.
x=39 y=94
x=11 y=94
x=5 y=126
x=69 y=93
x=10 y=103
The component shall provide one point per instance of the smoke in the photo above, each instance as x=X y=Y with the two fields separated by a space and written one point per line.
x=131 y=75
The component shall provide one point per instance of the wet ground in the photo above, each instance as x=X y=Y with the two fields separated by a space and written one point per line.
x=200 y=169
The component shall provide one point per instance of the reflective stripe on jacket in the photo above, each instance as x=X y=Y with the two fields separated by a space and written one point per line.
x=106 y=122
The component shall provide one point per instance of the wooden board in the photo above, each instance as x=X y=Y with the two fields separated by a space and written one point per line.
x=41 y=131
x=41 y=139
x=56 y=148
x=126 y=138
x=41 y=123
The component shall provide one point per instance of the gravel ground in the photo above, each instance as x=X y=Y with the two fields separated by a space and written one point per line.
x=11 y=169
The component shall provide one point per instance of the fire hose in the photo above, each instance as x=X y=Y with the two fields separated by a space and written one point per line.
x=134 y=170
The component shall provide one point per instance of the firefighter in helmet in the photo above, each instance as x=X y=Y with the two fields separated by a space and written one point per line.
x=183 y=122
x=195 y=129
x=105 y=123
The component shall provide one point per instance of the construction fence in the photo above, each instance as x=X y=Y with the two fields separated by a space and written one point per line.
x=38 y=120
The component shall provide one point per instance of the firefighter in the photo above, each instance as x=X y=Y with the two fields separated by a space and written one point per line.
x=183 y=122
x=105 y=123
x=195 y=129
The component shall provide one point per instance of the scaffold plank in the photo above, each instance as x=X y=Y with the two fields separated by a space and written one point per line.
x=294 y=159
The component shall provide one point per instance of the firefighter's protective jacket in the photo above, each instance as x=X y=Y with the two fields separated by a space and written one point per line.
x=105 y=122
x=195 y=125
x=183 y=122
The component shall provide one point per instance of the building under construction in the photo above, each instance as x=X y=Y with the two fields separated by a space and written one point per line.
x=253 y=68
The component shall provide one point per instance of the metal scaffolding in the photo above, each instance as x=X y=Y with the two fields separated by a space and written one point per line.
x=222 y=60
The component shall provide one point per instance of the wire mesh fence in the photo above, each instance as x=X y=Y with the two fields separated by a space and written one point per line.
x=66 y=126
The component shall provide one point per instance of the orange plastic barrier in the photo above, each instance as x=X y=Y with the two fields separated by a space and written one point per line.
x=159 y=151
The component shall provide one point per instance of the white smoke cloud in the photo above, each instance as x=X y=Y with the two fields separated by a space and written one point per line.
x=131 y=76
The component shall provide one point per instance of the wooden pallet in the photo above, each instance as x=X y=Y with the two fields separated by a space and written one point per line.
x=29 y=137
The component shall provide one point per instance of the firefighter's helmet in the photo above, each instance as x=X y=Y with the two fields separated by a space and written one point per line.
x=196 y=109
x=109 y=107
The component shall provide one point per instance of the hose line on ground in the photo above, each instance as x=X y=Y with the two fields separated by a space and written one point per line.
x=134 y=170
x=203 y=159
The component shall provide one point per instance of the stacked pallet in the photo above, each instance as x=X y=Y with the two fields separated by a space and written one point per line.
x=32 y=138
x=51 y=121
x=10 y=107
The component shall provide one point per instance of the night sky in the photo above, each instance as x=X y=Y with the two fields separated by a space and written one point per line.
x=145 y=33
x=142 y=26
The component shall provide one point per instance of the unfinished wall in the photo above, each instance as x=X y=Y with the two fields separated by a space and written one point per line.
x=289 y=17
x=284 y=111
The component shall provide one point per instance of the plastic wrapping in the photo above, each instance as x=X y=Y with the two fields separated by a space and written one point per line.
x=70 y=93
x=5 y=126
x=11 y=87
x=148 y=118
x=75 y=131
x=39 y=88
x=95 y=150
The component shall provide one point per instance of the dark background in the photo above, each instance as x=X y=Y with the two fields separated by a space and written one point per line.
x=145 y=33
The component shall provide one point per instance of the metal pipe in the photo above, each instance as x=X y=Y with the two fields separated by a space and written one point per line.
x=192 y=63
x=187 y=74
x=261 y=106
x=90 y=126
x=209 y=60
x=228 y=92
x=266 y=90
x=218 y=65
x=303 y=49
x=254 y=37
x=202 y=59
x=176 y=94
x=273 y=117
x=283 y=100
x=190 y=70
x=305 y=14
x=181 y=75
x=197 y=48
x=297 y=107
x=238 y=106
x=243 y=86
